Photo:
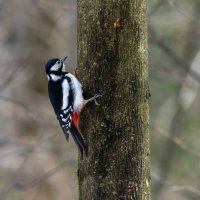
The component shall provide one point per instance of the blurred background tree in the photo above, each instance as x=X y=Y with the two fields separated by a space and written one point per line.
x=35 y=160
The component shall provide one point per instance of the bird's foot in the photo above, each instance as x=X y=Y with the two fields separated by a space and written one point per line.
x=94 y=99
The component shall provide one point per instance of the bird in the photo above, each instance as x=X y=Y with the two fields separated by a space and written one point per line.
x=66 y=97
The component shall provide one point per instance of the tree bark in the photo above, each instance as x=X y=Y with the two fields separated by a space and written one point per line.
x=112 y=60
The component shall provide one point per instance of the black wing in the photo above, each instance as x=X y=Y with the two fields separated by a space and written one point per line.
x=65 y=120
x=62 y=96
x=78 y=138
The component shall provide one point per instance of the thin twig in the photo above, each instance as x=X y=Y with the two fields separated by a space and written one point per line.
x=154 y=39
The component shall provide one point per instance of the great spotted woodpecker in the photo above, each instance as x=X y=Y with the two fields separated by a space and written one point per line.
x=66 y=96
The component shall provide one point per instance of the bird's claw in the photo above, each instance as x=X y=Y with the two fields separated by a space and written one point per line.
x=96 y=103
x=95 y=97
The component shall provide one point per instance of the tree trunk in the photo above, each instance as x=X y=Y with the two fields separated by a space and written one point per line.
x=112 y=60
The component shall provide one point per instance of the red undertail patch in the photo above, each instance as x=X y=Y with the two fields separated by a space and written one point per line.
x=75 y=119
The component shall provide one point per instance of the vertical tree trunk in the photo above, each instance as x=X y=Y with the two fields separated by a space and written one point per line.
x=113 y=61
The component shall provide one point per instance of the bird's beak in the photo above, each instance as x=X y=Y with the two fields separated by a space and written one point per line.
x=63 y=59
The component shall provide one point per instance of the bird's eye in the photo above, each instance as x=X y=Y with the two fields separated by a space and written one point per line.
x=58 y=62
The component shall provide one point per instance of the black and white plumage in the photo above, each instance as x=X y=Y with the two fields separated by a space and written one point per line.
x=65 y=93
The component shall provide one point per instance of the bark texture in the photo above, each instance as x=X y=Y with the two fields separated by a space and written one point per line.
x=112 y=61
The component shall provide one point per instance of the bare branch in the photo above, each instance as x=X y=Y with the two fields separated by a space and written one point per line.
x=176 y=188
x=29 y=111
x=154 y=39
x=185 y=188
x=178 y=142
x=35 y=182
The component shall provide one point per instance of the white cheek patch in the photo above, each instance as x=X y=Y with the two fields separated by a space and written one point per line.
x=55 y=67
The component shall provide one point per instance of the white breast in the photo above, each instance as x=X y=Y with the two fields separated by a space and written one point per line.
x=77 y=92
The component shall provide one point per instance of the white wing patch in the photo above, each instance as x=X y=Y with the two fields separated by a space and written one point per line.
x=67 y=110
x=65 y=87
x=77 y=92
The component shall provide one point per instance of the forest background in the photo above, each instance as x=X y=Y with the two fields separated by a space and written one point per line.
x=35 y=160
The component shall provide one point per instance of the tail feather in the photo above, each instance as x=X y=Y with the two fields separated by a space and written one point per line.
x=78 y=140
x=66 y=132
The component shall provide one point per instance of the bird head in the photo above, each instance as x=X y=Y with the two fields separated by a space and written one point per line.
x=55 y=66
